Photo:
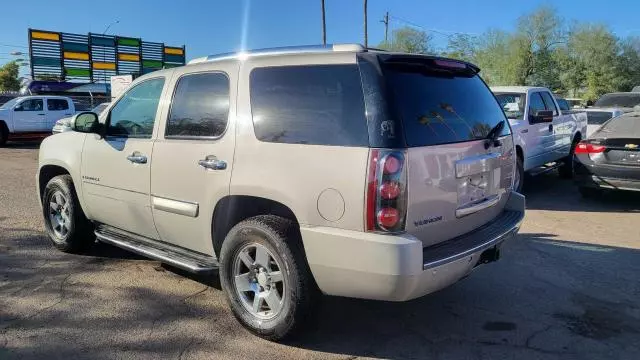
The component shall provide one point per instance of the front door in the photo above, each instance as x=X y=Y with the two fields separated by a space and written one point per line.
x=193 y=155
x=56 y=110
x=540 y=139
x=116 y=169
x=561 y=137
x=29 y=116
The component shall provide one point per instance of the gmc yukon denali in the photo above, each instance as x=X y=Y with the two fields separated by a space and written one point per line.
x=292 y=173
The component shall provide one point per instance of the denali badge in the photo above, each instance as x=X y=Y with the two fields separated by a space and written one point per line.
x=427 y=221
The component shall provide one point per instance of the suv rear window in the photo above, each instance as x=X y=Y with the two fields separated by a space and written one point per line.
x=441 y=107
x=314 y=104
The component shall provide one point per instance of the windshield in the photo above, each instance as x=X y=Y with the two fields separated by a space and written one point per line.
x=512 y=104
x=618 y=100
x=9 y=104
x=439 y=108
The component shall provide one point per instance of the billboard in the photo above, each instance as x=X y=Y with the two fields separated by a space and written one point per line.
x=96 y=57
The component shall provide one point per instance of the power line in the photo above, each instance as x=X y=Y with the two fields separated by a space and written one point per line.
x=14 y=46
x=437 y=31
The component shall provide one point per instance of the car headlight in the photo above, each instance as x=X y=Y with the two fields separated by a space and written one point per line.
x=62 y=123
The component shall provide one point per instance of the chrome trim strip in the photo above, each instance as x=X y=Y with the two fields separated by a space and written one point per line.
x=487 y=203
x=175 y=206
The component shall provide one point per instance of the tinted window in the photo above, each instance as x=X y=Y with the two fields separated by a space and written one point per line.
x=57 y=104
x=135 y=113
x=548 y=102
x=536 y=103
x=563 y=104
x=200 y=106
x=321 y=104
x=31 y=105
x=618 y=100
x=624 y=126
x=439 y=107
x=512 y=104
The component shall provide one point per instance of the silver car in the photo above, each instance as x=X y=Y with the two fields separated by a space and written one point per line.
x=64 y=124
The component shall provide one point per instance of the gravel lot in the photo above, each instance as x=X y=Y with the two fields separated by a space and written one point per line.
x=567 y=288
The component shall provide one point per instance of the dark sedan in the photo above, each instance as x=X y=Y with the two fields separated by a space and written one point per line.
x=610 y=157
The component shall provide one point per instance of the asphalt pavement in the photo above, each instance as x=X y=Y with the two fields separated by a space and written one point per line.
x=567 y=288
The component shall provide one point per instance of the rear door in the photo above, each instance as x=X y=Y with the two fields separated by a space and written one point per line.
x=455 y=182
x=561 y=126
x=57 y=108
x=193 y=156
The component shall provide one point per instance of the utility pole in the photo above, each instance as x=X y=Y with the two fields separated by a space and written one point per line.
x=366 y=37
x=385 y=21
x=324 y=26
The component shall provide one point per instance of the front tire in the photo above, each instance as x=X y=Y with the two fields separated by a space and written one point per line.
x=264 y=273
x=4 y=134
x=65 y=222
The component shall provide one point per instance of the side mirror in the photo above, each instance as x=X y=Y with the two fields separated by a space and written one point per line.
x=86 y=122
x=541 y=116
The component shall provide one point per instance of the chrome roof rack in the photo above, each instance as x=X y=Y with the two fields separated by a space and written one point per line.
x=282 y=50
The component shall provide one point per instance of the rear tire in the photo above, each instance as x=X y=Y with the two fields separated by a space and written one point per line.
x=65 y=222
x=566 y=170
x=284 y=274
x=518 y=184
x=4 y=134
x=589 y=192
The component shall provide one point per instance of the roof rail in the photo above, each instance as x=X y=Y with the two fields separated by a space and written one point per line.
x=282 y=50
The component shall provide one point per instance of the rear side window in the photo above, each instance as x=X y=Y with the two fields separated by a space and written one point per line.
x=438 y=108
x=548 y=102
x=316 y=104
x=200 y=106
x=57 y=105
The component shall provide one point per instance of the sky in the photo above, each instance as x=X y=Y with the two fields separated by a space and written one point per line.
x=214 y=26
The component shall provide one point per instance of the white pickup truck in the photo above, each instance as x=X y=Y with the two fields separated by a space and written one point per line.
x=32 y=117
x=544 y=135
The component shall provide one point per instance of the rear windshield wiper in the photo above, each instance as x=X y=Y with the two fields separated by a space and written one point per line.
x=492 y=136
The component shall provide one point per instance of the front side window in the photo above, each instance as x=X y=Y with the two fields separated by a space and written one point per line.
x=135 y=113
x=312 y=104
x=30 y=105
x=536 y=104
x=57 y=105
x=200 y=106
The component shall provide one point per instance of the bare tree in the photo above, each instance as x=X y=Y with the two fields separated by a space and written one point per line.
x=324 y=26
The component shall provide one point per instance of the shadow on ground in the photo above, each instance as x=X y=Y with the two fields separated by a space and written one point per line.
x=550 y=192
x=98 y=306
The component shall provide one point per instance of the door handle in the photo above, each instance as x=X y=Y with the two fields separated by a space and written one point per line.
x=68 y=114
x=137 y=158
x=550 y=127
x=211 y=162
x=524 y=131
x=41 y=114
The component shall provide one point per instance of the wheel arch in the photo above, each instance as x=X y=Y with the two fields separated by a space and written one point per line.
x=233 y=209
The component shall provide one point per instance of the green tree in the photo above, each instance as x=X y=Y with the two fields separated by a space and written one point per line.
x=409 y=40
x=9 y=77
x=596 y=49
x=629 y=62
x=462 y=47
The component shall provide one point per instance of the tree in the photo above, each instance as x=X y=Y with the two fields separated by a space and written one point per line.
x=462 y=47
x=9 y=77
x=410 y=40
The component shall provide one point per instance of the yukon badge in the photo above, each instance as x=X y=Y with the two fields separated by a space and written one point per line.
x=427 y=221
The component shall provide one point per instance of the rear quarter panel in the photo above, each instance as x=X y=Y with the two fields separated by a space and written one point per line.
x=296 y=175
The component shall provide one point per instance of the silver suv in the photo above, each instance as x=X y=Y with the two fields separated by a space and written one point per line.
x=293 y=172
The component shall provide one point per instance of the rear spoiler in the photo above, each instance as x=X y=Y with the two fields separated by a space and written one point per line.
x=431 y=61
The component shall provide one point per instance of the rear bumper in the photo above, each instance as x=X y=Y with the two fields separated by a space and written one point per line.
x=398 y=268
x=607 y=177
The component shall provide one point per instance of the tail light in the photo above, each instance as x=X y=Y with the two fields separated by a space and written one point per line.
x=588 y=148
x=386 y=198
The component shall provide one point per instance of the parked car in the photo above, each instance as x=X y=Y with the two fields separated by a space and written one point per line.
x=609 y=106
x=65 y=124
x=610 y=158
x=276 y=168
x=545 y=136
x=32 y=117
x=569 y=104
